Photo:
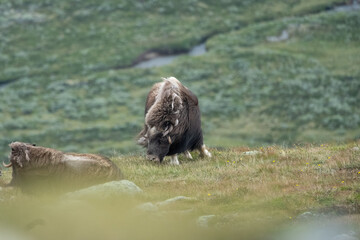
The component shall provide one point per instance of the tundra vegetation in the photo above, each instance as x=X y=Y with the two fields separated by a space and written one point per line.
x=250 y=195
x=66 y=83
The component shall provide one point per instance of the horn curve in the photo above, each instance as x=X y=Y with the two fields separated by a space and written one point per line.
x=7 y=165
x=169 y=130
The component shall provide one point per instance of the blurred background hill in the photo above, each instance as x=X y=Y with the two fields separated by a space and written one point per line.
x=274 y=71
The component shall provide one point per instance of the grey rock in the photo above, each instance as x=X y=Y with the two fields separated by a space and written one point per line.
x=106 y=190
x=151 y=207
x=10 y=234
x=306 y=216
x=251 y=153
x=148 y=207
x=203 y=221
x=172 y=200
x=345 y=237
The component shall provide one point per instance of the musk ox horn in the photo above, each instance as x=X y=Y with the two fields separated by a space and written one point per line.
x=143 y=141
x=169 y=139
x=7 y=165
x=168 y=130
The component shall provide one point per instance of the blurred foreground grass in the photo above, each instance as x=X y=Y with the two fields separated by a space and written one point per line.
x=251 y=196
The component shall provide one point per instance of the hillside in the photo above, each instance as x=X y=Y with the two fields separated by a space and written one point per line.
x=253 y=192
x=66 y=80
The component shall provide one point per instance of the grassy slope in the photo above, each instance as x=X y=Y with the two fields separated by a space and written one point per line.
x=306 y=84
x=70 y=94
x=248 y=194
x=70 y=37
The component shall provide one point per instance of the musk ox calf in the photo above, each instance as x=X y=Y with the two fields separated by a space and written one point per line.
x=35 y=166
x=172 y=122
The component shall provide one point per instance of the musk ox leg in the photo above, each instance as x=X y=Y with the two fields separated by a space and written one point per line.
x=188 y=154
x=174 y=160
x=204 y=152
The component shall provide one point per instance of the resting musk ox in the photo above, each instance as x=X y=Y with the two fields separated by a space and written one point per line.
x=33 y=165
x=172 y=122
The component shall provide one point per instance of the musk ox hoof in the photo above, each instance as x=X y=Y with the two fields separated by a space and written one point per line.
x=188 y=155
x=174 y=160
x=205 y=152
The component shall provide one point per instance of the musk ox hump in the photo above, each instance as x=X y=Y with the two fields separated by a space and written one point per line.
x=151 y=98
x=165 y=112
x=184 y=91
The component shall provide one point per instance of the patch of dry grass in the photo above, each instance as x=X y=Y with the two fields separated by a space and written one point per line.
x=281 y=182
x=243 y=191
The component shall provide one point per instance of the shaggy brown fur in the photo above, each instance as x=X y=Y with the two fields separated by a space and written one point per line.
x=172 y=121
x=165 y=105
x=32 y=164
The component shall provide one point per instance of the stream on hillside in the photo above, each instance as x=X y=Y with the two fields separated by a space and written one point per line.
x=159 y=60
x=155 y=59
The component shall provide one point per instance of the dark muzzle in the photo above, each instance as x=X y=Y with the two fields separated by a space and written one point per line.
x=153 y=158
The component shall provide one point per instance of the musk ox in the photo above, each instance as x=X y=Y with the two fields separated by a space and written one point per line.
x=172 y=122
x=33 y=166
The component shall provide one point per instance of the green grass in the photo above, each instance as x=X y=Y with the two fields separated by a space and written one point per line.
x=68 y=90
x=64 y=84
x=251 y=196
x=79 y=37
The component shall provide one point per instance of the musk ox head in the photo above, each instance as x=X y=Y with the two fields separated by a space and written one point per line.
x=158 y=144
x=19 y=156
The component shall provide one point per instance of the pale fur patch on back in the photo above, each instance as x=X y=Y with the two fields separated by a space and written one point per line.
x=68 y=157
x=176 y=83
x=160 y=92
x=168 y=84
x=76 y=162
x=157 y=100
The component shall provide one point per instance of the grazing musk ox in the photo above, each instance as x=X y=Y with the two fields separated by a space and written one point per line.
x=34 y=165
x=172 y=122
